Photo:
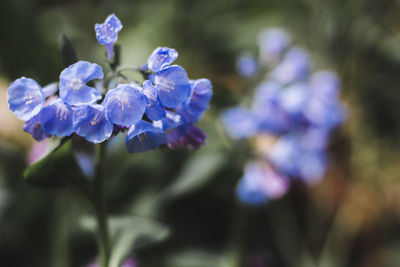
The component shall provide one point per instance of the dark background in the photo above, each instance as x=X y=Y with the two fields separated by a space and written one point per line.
x=350 y=219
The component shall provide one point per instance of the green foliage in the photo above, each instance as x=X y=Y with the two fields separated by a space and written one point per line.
x=57 y=169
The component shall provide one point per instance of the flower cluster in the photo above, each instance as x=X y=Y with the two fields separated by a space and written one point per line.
x=292 y=115
x=163 y=109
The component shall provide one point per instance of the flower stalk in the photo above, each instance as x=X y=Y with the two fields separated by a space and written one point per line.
x=98 y=200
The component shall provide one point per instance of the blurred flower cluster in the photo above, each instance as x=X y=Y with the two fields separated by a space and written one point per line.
x=163 y=109
x=293 y=113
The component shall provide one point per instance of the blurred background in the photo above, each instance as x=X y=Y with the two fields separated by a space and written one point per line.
x=351 y=218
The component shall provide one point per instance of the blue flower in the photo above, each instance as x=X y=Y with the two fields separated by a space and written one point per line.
x=50 y=89
x=285 y=153
x=173 y=86
x=56 y=118
x=311 y=166
x=267 y=108
x=199 y=102
x=294 y=156
x=260 y=183
x=294 y=66
x=240 y=123
x=107 y=33
x=91 y=122
x=272 y=43
x=125 y=105
x=171 y=120
x=161 y=58
x=154 y=109
x=325 y=85
x=26 y=98
x=246 y=65
x=73 y=79
x=294 y=99
x=249 y=188
x=144 y=136
x=34 y=128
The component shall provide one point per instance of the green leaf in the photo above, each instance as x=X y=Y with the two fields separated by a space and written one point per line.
x=57 y=169
x=199 y=169
x=129 y=233
x=68 y=54
x=194 y=258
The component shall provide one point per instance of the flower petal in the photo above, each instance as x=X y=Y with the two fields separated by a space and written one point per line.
x=161 y=58
x=56 y=118
x=173 y=86
x=90 y=121
x=73 y=79
x=26 y=98
x=144 y=136
x=154 y=109
x=125 y=105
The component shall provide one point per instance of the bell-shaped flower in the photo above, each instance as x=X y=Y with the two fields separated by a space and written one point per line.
x=154 y=109
x=271 y=118
x=161 y=58
x=107 y=33
x=311 y=166
x=322 y=113
x=194 y=138
x=325 y=85
x=240 y=122
x=272 y=43
x=125 y=105
x=246 y=65
x=73 y=79
x=294 y=99
x=26 y=98
x=56 y=118
x=294 y=66
x=199 y=101
x=143 y=136
x=173 y=86
x=171 y=120
x=34 y=128
x=260 y=183
x=91 y=122
x=285 y=153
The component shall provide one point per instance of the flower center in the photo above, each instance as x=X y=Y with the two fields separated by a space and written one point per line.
x=76 y=84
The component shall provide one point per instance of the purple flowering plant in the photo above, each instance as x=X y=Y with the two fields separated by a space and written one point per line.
x=90 y=106
x=293 y=113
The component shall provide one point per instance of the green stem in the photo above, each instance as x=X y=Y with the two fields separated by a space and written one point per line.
x=100 y=208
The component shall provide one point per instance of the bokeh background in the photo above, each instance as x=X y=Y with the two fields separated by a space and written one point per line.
x=351 y=218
